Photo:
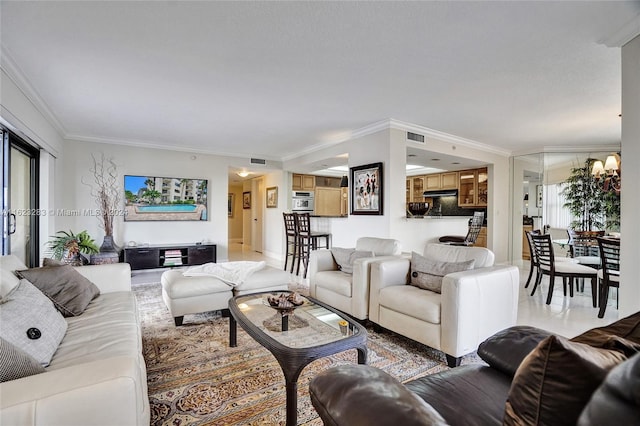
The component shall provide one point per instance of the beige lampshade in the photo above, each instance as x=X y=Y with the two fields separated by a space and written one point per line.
x=611 y=163
x=598 y=168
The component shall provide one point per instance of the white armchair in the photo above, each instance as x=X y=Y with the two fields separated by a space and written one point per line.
x=473 y=305
x=348 y=293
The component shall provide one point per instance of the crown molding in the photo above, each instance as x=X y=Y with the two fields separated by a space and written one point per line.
x=624 y=35
x=17 y=76
x=436 y=134
x=153 y=145
x=569 y=149
x=391 y=123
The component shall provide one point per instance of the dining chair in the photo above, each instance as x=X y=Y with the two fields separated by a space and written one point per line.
x=583 y=247
x=534 y=259
x=548 y=265
x=291 y=239
x=472 y=234
x=609 y=274
x=307 y=240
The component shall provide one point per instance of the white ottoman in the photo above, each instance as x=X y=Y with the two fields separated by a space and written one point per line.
x=193 y=295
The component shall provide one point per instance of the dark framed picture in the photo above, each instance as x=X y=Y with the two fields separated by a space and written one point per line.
x=230 y=205
x=366 y=189
x=272 y=197
x=246 y=200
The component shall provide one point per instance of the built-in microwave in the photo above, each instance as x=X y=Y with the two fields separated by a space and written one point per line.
x=302 y=201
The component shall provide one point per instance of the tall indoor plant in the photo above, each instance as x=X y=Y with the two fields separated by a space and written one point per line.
x=590 y=206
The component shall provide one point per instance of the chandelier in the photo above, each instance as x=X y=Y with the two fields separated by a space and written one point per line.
x=607 y=176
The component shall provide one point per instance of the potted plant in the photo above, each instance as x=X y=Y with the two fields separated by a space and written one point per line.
x=67 y=246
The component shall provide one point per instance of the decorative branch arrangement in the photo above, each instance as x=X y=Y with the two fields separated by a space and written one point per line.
x=105 y=191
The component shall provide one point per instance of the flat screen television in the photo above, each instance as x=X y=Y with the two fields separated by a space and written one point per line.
x=154 y=198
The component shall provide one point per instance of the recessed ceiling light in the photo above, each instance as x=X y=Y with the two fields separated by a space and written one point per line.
x=411 y=155
x=456 y=162
x=435 y=159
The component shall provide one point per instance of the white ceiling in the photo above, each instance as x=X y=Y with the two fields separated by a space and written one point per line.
x=272 y=79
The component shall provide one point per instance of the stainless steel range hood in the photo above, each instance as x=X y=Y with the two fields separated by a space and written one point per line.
x=441 y=193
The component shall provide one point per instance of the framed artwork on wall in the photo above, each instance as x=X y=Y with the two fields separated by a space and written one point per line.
x=230 y=205
x=272 y=197
x=539 y=196
x=246 y=200
x=366 y=189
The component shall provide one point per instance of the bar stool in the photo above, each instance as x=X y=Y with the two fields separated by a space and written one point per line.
x=292 y=239
x=307 y=240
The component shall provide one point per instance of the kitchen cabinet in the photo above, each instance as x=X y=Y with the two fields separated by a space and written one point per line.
x=472 y=188
x=449 y=180
x=439 y=181
x=303 y=182
x=329 y=182
x=328 y=201
x=417 y=188
x=432 y=182
x=344 y=202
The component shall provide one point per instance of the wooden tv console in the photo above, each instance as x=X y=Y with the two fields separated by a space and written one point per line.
x=170 y=255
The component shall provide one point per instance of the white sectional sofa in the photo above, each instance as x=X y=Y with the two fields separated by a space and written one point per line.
x=97 y=375
x=473 y=304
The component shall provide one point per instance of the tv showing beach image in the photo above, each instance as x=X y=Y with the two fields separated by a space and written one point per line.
x=152 y=198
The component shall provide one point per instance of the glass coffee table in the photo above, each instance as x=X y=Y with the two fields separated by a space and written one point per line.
x=313 y=330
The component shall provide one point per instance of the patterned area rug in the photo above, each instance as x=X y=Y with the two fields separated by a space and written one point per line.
x=195 y=378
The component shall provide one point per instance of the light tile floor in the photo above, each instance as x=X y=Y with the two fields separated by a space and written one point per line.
x=566 y=316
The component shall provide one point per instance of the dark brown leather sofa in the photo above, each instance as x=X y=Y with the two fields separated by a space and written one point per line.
x=531 y=377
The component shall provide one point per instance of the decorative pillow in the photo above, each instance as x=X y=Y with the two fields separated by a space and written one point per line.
x=345 y=257
x=16 y=363
x=555 y=381
x=31 y=322
x=69 y=290
x=427 y=273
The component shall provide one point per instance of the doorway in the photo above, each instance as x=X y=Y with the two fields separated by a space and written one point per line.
x=19 y=181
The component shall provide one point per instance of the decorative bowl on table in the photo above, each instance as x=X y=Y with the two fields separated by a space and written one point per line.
x=285 y=303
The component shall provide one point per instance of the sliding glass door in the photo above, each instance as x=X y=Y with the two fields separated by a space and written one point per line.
x=19 y=199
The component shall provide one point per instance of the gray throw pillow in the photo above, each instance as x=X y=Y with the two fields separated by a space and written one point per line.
x=68 y=289
x=16 y=363
x=428 y=273
x=31 y=322
x=345 y=257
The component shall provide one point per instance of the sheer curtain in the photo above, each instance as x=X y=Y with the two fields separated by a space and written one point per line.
x=556 y=215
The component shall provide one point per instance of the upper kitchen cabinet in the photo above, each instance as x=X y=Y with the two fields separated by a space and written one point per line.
x=438 y=181
x=303 y=182
x=472 y=188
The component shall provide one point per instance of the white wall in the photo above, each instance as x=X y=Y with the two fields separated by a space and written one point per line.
x=630 y=196
x=74 y=195
x=498 y=211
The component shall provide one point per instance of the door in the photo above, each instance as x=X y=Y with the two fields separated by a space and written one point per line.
x=20 y=199
x=257 y=211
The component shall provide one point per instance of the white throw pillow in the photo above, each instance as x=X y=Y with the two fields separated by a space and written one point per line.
x=31 y=322
x=345 y=257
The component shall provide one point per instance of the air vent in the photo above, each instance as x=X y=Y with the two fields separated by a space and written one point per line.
x=259 y=161
x=415 y=137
